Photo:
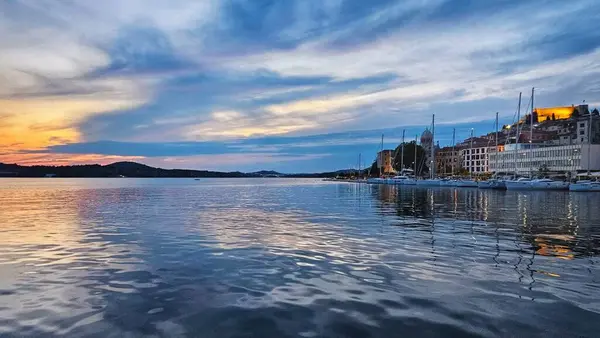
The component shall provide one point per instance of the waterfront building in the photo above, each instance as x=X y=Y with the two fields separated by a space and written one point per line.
x=530 y=159
x=385 y=162
x=476 y=159
x=448 y=160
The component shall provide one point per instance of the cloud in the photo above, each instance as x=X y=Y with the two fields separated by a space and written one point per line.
x=133 y=72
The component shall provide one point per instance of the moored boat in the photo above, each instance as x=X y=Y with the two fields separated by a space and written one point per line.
x=520 y=183
x=585 y=185
x=429 y=182
x=548 y=184
x=403 y=180
x=466 y=183
x=492 y=183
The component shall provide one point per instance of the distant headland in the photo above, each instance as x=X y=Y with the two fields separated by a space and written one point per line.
x=133 y=169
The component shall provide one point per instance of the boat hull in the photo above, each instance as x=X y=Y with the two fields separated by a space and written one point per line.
x=466 y=184
x=533 y=185
x=585 y=187
x=405 y=182
x=516 y=185
x=428 y=183
x=549 y=185
x=491 y=185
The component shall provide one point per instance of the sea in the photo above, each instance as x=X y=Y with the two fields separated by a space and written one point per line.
x=294 y=258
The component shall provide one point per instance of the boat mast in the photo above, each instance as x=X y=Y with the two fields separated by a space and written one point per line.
x=589 y=160
x=415 y=163
x=402 y=155
x=432 y=170
x=381 y=158
x=518 y=134
x=471 y=163
x=359 y=168
x=453 y=146
x=496 y=150
x=531 y=136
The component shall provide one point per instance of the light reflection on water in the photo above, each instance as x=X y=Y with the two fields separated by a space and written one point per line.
x=277 y=257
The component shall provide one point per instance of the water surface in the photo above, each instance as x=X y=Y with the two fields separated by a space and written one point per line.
x=294 y=258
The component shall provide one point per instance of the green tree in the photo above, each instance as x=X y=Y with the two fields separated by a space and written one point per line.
x=543 y=170
x=409 y=157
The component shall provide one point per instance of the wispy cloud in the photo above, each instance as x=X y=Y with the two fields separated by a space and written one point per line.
x=153 y=72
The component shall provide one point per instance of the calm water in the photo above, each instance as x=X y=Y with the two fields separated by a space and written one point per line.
x=294 y=258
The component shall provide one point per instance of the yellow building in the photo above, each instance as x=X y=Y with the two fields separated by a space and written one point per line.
x=384 y=161
x=557 y=113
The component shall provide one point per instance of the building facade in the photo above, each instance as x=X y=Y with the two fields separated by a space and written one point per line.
x=385 y=162
x=448 y=160
x=563 y=158
x=476 y=160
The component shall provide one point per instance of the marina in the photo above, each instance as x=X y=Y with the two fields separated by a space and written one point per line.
x=532 y=153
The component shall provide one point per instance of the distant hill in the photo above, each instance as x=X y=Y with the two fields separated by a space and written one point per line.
x=131 y=169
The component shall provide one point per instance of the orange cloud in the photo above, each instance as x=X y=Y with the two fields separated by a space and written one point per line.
x=64 y=159
x=39 y=123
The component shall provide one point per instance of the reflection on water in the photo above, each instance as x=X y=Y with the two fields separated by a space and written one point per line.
x=278 y=258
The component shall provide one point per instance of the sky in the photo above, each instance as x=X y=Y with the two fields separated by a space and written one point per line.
x=288 y=85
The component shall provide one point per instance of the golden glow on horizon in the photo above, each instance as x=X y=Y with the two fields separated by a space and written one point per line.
x=34 y=124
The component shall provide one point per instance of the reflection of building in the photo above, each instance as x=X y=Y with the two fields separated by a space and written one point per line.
x=448 y=159
x=566 y=158
x=384 y=162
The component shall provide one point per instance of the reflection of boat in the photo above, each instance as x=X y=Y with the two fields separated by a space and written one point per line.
x=403 y=180
x=585 y=185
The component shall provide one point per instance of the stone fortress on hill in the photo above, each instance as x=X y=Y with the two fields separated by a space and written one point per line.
x=562 y=140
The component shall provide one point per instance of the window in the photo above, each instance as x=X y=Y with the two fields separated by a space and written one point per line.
x=582 y=132
x=581 y=124
x=582 y=139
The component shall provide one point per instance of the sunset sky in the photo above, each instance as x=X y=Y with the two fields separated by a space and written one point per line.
x=294 y=86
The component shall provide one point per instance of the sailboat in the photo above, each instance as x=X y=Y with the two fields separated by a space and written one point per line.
x=493 y=183
x=431 y=181
x=531 y=183
x=404 y=177
x=518 y=182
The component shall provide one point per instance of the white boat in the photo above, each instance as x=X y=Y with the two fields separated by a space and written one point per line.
x=447 y=182
x=404 y=180
x=585 y=185
x=429 y=182
x=548 y=184
x=521 y=183
x=376 y=180
x=492 y=183
x=466 y=183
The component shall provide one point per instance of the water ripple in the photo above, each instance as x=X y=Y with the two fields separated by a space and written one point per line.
x=289 y=258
